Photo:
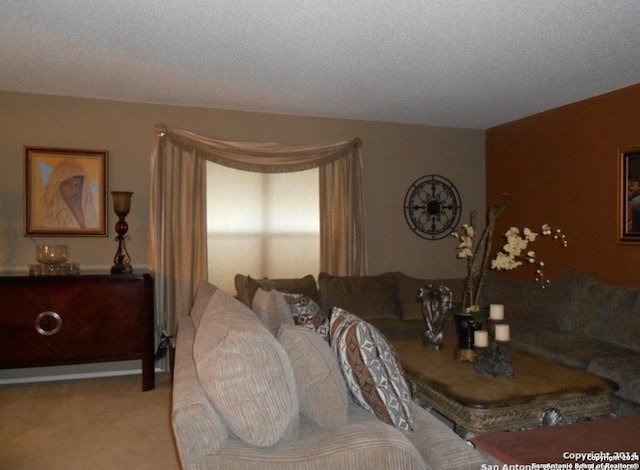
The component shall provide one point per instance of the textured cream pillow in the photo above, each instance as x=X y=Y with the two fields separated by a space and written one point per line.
x=370 y=368
x=204 y=292
x=272 y=309
x=321 y=388
x=245 y=372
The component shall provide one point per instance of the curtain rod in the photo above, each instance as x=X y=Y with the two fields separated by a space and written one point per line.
x=161 y=129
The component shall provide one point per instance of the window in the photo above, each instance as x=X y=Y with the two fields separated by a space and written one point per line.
x=261 y=224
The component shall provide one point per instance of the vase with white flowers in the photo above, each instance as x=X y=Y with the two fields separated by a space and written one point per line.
x=475 y=248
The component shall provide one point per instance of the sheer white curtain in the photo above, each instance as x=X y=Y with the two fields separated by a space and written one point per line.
x=177 y=232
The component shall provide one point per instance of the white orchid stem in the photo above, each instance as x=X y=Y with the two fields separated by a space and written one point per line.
x=478 y=265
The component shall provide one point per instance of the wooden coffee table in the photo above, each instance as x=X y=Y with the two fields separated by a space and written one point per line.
x=479 y=403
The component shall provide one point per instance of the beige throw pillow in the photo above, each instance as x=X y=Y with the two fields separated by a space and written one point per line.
x=321 y=388
x=272 y=309
x=245 y=372
x=204 y=292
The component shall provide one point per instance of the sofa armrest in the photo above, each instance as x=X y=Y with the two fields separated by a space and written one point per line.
x=198 y=428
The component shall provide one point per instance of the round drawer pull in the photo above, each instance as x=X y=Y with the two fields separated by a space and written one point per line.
x=53 y=315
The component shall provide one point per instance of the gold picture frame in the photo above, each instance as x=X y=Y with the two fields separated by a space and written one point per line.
x=65 y=192
x=629 y=194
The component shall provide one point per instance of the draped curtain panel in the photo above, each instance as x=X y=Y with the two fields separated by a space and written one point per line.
x=178 y=228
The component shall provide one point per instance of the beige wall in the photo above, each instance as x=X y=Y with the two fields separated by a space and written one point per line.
x=561 y=166
x=395 y=155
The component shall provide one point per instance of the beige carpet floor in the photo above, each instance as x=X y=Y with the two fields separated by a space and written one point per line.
x=87 y=424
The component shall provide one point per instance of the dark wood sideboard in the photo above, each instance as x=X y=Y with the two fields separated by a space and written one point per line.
x=75 y=319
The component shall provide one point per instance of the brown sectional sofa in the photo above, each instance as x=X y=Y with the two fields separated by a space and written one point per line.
x=389 y=301
x=579 y=321
x=576 y=320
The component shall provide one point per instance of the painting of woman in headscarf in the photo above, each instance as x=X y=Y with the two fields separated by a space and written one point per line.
x=66 y=192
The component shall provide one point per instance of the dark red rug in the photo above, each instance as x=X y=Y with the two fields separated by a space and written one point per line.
x=601 y=441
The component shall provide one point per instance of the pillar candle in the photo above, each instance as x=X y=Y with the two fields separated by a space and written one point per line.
x=502 y=332
x=496 y=312
x=480 y=339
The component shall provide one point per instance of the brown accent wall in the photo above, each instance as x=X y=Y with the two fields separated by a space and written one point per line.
x=561 y=166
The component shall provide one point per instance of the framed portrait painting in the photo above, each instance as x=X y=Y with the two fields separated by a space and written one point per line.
x=629 y=194
x=65 y=192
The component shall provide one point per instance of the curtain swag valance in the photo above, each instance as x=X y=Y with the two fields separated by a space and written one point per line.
x=257 y=157
x=178 y=221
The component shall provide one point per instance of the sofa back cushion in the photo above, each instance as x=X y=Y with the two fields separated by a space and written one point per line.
x=321 y=388
x=550 y=305
x=365 y=296
x=245 y=372
x=247 y=286
x=605 y=311
x=515 y=294
x=527 y=303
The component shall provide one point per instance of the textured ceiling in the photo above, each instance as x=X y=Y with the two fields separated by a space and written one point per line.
x=460 y=63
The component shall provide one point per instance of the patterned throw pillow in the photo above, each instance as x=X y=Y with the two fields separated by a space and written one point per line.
x=306 y=312
x=301 y=304
x=370 y=368
x=321 y=388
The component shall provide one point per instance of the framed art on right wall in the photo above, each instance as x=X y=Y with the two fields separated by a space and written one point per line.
x=629 y=194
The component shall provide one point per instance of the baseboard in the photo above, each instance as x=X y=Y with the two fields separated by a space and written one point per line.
x=72 y=372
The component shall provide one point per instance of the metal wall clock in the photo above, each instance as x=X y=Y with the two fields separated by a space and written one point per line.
x=432 y=207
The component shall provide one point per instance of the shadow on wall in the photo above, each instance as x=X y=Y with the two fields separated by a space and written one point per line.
x=8 y=226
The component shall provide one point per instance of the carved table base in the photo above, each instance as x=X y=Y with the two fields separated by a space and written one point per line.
x=542 y=392
x=469 y=421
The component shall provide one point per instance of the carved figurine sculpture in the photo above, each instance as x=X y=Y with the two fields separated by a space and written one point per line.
x=436 y=302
